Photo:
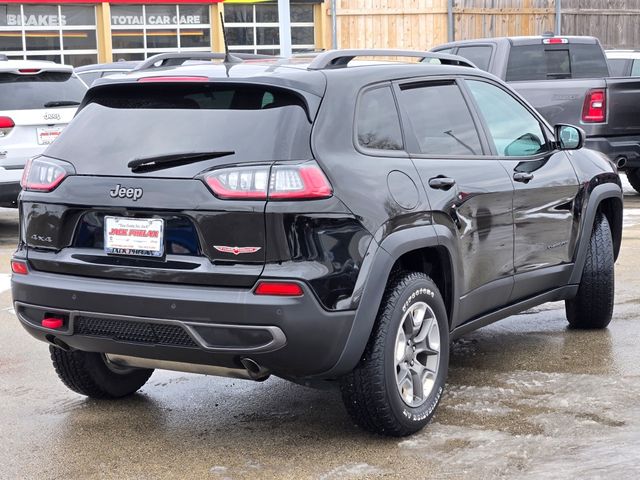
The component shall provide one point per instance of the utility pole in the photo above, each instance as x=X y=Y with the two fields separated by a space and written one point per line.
x=284 y=17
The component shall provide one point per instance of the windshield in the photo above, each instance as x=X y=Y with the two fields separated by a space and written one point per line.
x=28 y=92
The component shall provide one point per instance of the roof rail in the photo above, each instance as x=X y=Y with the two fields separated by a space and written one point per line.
x=178 y=58
x=341 y=58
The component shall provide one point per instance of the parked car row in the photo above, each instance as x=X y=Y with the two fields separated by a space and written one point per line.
x=325 y=221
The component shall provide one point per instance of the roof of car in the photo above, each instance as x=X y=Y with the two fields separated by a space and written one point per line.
x=623 y=54
x=9 y=66
x=295 y=74
x=520 y=40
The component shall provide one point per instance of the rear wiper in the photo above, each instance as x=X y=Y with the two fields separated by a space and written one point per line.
x=152 y=164
x=61 y=103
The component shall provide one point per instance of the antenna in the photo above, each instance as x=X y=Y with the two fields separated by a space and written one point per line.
x=228 y=58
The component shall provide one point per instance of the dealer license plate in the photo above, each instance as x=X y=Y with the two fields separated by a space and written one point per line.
x=46 y=135
x=134 y=236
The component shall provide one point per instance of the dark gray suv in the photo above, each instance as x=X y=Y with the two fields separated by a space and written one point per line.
x=326 y=222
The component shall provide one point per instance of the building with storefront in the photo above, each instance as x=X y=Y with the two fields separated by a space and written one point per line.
x=80 y=32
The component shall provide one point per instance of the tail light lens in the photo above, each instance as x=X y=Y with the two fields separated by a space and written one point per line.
x=595 y=107
x=43 y=174
x=279 y=289
x=19 y=267
x=6 y=125
x=280 y=182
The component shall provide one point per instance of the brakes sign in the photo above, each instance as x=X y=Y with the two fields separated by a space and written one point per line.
x=134 y=236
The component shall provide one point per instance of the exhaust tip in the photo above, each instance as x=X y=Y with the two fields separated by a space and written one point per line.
x=621 y=162
x=255 y=371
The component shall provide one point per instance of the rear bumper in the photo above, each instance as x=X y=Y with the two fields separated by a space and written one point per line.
x=616 y=147
x=293 y=337
x=9 y=192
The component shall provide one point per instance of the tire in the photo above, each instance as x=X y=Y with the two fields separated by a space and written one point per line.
x=633 y=175
x=372 y=392
x=88 y=373
x=592 y=307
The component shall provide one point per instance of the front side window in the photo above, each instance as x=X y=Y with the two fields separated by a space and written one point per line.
x=378 y=123
x=440 y=119
x=514 y=130
x=635 y=68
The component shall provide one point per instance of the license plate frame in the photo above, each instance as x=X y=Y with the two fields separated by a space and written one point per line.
x=136 y=240
x=47 y=135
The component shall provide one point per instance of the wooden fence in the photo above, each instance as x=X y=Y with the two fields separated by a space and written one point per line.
x=422 y=24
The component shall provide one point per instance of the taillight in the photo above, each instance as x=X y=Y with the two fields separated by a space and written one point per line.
x=19 y=267
x=6 y=125
x=594 y=109
x=172 y=79
x=279 y=289
x=555 y=41
x=280 y=182
x=43 y=174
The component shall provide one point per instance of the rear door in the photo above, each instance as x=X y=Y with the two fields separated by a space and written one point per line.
x=545 y=189
x=470 y=193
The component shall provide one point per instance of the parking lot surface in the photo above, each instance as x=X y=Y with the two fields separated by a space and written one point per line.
x=526 y=398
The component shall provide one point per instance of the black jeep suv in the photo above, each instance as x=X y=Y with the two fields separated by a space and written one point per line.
x=320 y=221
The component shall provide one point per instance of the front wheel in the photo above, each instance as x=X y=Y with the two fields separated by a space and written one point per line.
x=633 y=175
x=91 y=374
x=400 y=379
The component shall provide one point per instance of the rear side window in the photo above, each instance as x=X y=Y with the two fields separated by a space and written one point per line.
x=544 y=62
x=378 y=123
x=480 y=55
x=28 y=92
x=440 y=119
x=635 y=69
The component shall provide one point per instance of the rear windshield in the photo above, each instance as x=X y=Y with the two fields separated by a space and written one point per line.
x=141 y=121
x=549 y=62
x=28 y=92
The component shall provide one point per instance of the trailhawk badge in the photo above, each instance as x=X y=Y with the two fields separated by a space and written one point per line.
x=236 y=250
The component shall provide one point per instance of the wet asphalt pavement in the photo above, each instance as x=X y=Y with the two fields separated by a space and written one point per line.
x=526 y=398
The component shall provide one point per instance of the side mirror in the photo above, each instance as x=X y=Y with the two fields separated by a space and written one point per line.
x=569 y=137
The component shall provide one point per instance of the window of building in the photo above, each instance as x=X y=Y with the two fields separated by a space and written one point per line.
x=254 y=28
x=140 y=31
x=60 y=33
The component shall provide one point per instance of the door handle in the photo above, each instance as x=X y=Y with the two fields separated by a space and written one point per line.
x=523 y=177
x=441 y=183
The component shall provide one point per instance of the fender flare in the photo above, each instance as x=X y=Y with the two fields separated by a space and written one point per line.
x=598 y=194
x=383 y=257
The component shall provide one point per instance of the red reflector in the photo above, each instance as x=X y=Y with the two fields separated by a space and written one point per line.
x=282 y=289
x=555 y=41
x=28 y=70
x=6 y=122
x=19 y=267
x=52 y=322
x=172 y=79
x=594 y=109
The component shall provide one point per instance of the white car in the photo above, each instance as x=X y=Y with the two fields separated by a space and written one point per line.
x=37 y=100
x=623 y=63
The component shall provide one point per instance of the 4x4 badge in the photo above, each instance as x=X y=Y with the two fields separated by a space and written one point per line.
x=236 y=250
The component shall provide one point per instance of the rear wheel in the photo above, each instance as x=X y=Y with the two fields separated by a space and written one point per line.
x=90 y=374
x=398 y=383
x=592 y=307
x=633 y=175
